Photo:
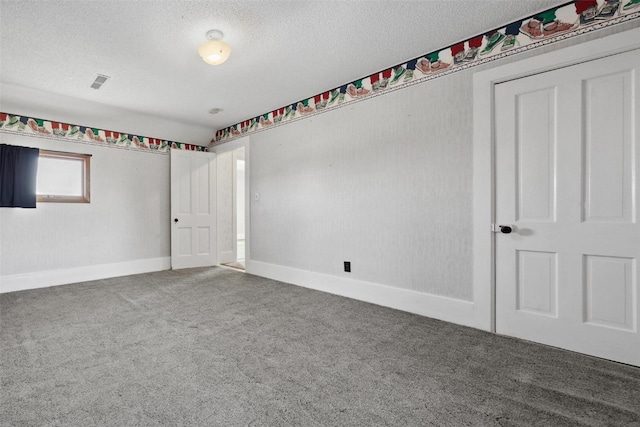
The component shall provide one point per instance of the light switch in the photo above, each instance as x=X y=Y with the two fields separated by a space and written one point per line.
x=256 y=196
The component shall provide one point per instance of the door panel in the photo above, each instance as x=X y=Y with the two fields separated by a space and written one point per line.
x=536 y=148
x=193 y=219
x=567 y=156
x=184 y=184
x=609 y=291
x=608 y=147
x=204 y=241
x=537 y=283
x=204 y=194
x=184 y=241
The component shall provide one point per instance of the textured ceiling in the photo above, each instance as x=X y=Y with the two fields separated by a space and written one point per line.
x=283 y=51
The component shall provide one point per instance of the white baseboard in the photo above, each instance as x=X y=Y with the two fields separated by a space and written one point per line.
x=438 y=307
x=44 y=279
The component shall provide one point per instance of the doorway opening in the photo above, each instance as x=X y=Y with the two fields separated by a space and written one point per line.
x=231 y=209
x=240 y=207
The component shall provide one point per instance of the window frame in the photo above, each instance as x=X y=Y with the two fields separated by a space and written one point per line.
x=86 y=178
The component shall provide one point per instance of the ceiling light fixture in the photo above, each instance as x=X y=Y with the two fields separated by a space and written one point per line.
x=214 y=51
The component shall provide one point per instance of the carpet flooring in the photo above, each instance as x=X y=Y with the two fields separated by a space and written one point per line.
x=215 y=347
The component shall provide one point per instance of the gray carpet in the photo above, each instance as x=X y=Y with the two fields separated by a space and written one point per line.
x=215 y=347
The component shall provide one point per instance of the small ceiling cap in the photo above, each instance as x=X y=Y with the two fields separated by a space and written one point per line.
x=214 y=51
x=215 y=110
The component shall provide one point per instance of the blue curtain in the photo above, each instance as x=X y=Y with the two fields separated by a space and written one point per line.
x=18 y=171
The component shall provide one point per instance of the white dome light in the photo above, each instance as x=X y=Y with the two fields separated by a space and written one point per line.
x=214 y=51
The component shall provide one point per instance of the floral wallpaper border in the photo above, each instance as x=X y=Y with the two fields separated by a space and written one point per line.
x=15 y=124
x=550 y=26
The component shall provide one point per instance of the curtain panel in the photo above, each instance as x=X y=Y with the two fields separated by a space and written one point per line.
x=18 y=172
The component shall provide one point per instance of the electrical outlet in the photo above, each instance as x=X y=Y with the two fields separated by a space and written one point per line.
x=347 y=266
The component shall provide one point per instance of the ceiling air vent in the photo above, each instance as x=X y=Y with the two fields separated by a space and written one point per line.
x=99 y=81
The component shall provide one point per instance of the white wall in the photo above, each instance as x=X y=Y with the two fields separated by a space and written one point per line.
x=386 y=184
x=125 y=228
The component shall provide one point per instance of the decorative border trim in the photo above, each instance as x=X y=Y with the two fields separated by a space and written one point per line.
x=45 y=279
x=550 y=26
x=439 y=307
x=20 y=125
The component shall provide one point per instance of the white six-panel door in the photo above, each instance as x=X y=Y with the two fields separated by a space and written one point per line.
x=193 y=209
x=567 y=166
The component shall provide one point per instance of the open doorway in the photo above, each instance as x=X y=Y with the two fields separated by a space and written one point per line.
x=231 y=209
x=240 y=206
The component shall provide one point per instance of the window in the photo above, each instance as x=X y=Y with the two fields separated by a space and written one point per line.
x=63 y=177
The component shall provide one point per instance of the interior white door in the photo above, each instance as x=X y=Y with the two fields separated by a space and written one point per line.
x=193 y=209
x=567 y=166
